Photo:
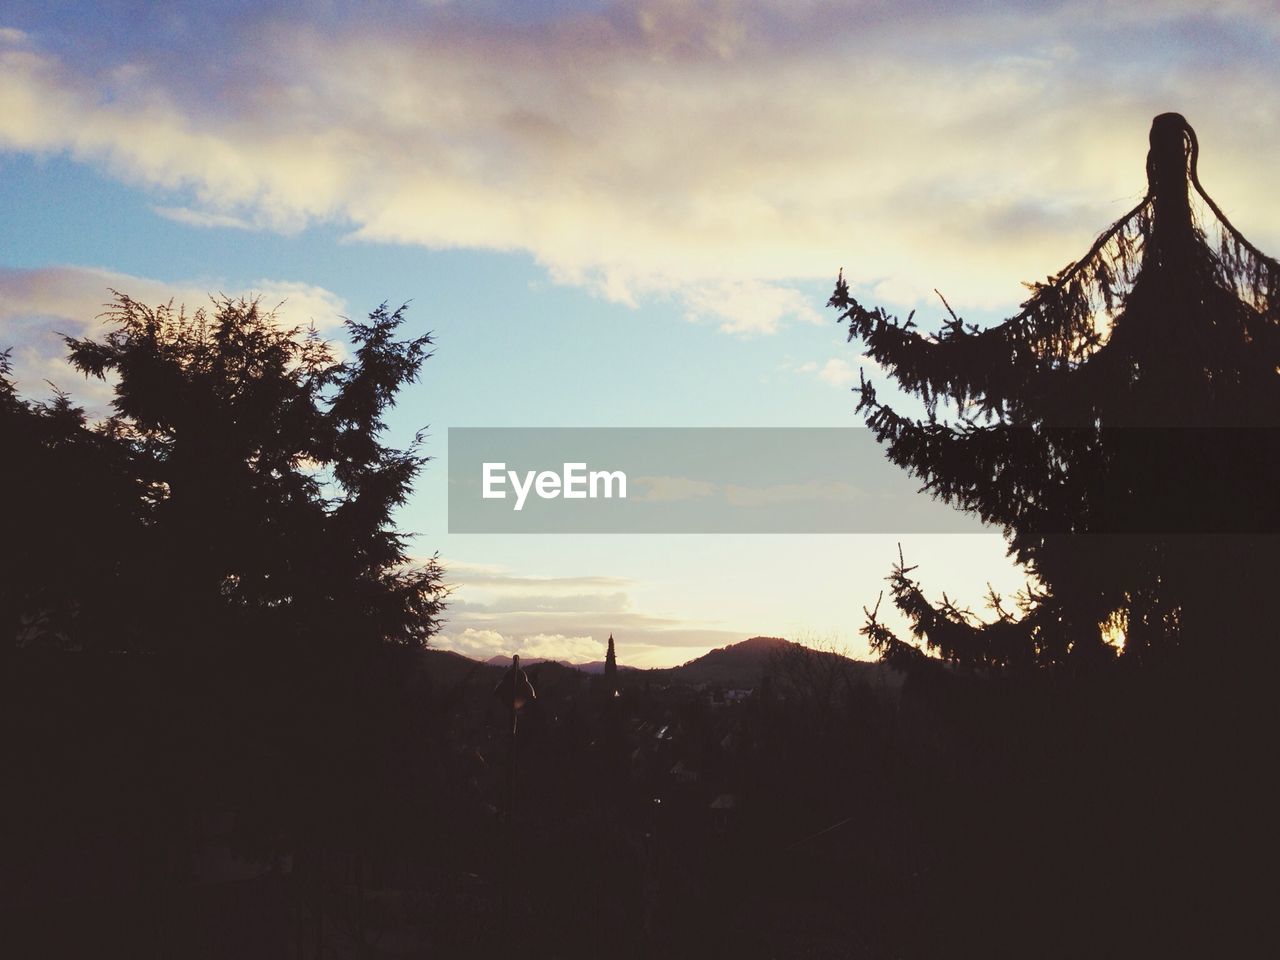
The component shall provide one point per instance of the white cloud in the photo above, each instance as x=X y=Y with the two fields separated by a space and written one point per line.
x=543 y=604
x=817 y=490
x=667 y=489
x=715 y=152
x=494 y=577
x=837 y=372
x=471 y=642
x=203 y=218
x=635 y=648
x=748 y=306
x=559 y=647
x=483 y=644
x=494 y=610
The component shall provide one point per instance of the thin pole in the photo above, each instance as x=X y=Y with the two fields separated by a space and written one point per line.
x=509 y=885
x=511 y=766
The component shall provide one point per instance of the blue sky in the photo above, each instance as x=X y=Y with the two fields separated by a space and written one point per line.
x=610 y=214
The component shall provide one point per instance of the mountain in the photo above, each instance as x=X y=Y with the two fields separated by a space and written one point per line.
x=461 y=675
x=740 y=665
x=737 y=665
x=504 y=660
x=792 y=667
x=596 y=667
x=450 y=669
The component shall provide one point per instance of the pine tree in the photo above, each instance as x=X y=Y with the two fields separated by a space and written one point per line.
x=1119 y=429
x=228 y=538
x=265 y=493
x=73 y=522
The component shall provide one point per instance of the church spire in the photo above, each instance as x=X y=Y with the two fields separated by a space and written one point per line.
x=611 y=666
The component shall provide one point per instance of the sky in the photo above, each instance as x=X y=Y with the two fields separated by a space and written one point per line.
x=610 y=214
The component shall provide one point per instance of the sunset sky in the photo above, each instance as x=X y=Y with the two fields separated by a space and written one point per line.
x=610 y=214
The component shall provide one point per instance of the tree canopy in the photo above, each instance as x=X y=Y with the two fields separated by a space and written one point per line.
x=239 y=494
x=1120 y=430
x=208 y=585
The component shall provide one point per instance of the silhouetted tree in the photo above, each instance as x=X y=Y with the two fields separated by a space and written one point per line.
x=1119 y=429
x=229 y=528
x=268 y=496
x=72 y=500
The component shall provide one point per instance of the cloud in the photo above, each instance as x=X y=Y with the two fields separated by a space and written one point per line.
x=38 y=306
x=462 y=572
x=493 y=610
x=748 y=306
x=203 y=218
x=538 y=604
x=837 y=372
x=559 y=647
x=667 y=489
x=480 y=644
x=718 y=153
x=816 y=490
x=634 y=649
x=484 y=644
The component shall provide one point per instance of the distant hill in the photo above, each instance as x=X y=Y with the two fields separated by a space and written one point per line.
x=737 y=665
x=740 y=665
x=448 y=667
x=455 y=671
x=597 y=667
x=504 y=660
x=743 y=665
